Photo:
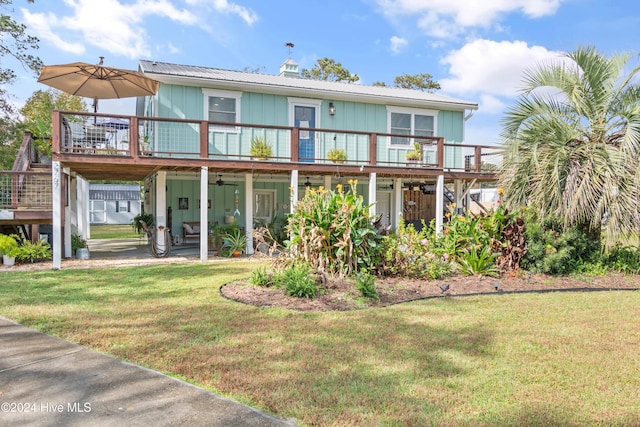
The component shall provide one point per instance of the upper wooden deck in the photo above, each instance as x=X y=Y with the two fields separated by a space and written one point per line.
x=99 y=147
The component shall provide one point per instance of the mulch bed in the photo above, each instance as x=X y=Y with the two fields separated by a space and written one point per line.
x=342 y=294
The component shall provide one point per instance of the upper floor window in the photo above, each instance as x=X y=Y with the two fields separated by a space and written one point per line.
x=222 y=106
x=410 y=122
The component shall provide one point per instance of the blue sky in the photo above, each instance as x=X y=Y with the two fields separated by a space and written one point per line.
x=476 y=49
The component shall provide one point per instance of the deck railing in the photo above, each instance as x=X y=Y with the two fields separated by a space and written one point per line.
x=25 y=190
x=112 y=135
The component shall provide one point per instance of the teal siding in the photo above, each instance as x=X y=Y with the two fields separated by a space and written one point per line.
x=222 y=200
x=450 y=127
x=269 y=109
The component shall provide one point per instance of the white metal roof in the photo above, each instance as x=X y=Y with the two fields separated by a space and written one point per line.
x=192 y=75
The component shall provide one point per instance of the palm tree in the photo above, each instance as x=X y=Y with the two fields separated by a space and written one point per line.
x=572 y=143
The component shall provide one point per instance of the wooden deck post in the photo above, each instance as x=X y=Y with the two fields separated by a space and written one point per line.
x=295 y=133
x=204 y=140
x=373 y=149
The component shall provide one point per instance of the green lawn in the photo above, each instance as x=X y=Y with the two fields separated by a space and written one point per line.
x=507 y=360
x=123 y=231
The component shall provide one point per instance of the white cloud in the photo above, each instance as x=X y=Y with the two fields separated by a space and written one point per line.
x=398 y=44
x=490 y=67
x=490 y=104
x=43 y=24
x=450 y=18
x=224 y=6
x=118 y=27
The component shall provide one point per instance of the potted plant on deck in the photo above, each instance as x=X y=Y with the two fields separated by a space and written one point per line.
x=337 y=155
x=260 y=148
x=41 y=134
x=414 y=156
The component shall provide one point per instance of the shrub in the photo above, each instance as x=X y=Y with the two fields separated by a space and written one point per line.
x=482 y=262
x=555 y=250
x=366 y=284
x=297 y=281
x=408 y=252
x=33 y=252
x=260 y=277
x=625 y=259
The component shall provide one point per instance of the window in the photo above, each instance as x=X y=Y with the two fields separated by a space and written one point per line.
x=123 y=206
x=264 y=204
x=222 y=106
x=410 y=122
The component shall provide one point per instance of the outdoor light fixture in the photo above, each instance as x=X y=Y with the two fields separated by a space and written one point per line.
x=332 y=109
x=308 y=183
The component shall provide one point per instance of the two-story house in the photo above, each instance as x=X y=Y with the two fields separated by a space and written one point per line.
x=195 y=135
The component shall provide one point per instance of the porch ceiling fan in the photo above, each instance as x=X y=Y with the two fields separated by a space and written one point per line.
x=220 y=182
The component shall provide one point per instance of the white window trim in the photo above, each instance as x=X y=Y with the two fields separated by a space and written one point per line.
x=304 y=102
x=207 y=93
x=413 y=112
x=273 y=194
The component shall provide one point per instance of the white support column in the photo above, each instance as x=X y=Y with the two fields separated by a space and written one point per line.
x=161 y=208
x=248 y=208
x=204 y=213
x=397 y=203
x=373 y=198
x=87 y=207
x=439 y=203
x=56 y=207
x=81 y=205
x=67 y=216
x=294 y=190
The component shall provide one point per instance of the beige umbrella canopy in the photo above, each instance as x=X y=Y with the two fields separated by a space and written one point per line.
x=97 y=81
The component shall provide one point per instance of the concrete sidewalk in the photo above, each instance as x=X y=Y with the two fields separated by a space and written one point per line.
x=46 y=381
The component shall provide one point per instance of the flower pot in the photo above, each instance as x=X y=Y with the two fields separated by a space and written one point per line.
x=236 y=254
x=82 y=253
x=8 y=260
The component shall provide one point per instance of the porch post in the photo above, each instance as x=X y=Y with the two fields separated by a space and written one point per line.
x=56 y=207
x=204 y=213
x=86 y=213
x=439 y=203
x=67 y=215
x=372 y=194
x=397 y=203
x=294 y=190
x=457 y=189
x=81 y=205
x=248 y=207
x=161 y=207
x=327 y=182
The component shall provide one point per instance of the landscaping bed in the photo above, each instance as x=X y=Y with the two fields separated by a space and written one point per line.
x=340 y=294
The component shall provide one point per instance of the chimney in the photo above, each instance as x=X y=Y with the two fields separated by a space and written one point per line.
x=289 y=68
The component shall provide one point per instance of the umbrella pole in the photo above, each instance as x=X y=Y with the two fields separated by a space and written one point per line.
x=95 y=109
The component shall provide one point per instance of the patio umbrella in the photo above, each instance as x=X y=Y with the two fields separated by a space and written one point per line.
x=97 y=81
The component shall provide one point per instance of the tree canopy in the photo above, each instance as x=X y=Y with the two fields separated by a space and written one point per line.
x=330 y=70
x=422 y=81
x=572 y=143
x=38 y=108
x=16 y=43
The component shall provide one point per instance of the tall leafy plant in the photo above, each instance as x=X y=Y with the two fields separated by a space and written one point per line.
x=332 y=231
